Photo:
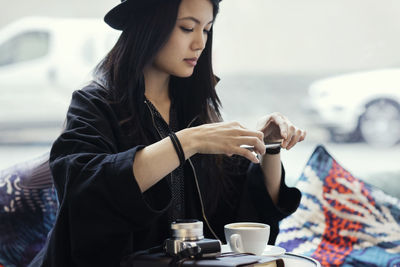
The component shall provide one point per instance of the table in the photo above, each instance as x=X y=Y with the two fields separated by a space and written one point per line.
x=297 y=260
x=290 y=259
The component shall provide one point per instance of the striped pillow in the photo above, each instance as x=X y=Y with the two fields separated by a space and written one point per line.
x=341 y=219
x=28 y=206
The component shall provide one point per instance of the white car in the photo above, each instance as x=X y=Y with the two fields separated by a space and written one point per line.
x=42 y=60
x=360 y=105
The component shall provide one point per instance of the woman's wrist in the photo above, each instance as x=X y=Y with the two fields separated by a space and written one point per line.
x=188 y=141
x=273 y=150
x=178 y=148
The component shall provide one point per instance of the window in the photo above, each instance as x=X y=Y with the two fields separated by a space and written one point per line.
x=330 y=67
x=24 y=47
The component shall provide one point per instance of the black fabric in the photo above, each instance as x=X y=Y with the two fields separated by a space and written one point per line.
x=103 y=215
x=176 y=178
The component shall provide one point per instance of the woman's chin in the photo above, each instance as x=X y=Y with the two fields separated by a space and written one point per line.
x=184 y=74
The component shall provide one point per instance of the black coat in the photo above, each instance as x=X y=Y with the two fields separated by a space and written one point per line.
x=103 y=215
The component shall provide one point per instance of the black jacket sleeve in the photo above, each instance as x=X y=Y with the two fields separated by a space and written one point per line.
x=88 y=169
x=101 y=204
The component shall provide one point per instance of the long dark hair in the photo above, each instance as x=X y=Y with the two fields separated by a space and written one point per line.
x=121 y=74
x=121 y=71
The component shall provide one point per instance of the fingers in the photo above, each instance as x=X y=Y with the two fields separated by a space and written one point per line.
x=243 y=136
x=295 y=135
x=303 y=136
x=279 y=127
x=290 y=135
x=246 y=153
x=255 y=144
x=242 y=131
x=227 y=138
x=294 y=140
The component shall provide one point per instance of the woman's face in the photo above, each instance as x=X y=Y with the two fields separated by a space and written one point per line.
x=179 y=55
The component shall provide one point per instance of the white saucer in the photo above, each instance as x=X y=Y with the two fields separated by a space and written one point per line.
x=273 y=251
x=269 y=250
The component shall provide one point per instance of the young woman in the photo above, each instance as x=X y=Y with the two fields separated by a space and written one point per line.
x=145 y=144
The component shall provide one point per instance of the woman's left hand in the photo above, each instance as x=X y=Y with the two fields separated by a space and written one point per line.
x=277 y=127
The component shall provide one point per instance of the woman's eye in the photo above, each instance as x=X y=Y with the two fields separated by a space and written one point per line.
x=192 y=29
x=187 y=29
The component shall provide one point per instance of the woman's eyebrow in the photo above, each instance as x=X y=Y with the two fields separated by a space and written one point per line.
x=195 y=20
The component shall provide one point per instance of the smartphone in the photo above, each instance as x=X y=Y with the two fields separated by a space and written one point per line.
x=267 y=145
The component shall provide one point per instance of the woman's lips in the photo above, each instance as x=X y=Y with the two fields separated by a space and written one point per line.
x=191 y=61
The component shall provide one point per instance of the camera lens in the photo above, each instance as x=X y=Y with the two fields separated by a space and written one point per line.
x=187 y=230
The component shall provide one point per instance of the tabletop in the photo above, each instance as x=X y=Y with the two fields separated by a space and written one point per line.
x=290 y=259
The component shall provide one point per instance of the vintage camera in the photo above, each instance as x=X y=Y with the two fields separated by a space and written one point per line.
x=188 y=241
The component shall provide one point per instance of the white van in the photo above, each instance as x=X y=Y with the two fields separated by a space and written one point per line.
x=42 y=60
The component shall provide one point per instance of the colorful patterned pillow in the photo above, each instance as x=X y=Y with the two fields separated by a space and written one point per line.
x=28 y=206
x=341 y=220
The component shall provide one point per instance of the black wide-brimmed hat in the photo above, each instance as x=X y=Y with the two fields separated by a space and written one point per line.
x=119 y=15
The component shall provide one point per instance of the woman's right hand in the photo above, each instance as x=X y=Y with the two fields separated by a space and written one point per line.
x=225 y=138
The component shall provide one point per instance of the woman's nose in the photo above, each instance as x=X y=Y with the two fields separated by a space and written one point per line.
x=199 y=42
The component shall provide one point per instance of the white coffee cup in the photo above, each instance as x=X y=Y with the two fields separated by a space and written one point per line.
x=247 y=237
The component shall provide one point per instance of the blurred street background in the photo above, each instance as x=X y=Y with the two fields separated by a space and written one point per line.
x=268 y=55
